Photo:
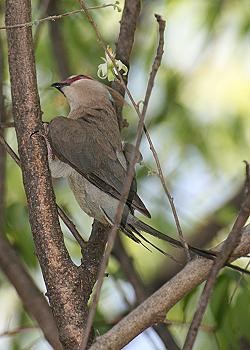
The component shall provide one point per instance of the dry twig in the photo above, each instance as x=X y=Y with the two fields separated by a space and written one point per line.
x=226 y=250
x=71 y=228
x=126 y=186
x=136 y=107
x=54 y=17
x=7 y=125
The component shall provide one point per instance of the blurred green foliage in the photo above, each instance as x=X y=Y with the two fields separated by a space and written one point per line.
x=199 y=121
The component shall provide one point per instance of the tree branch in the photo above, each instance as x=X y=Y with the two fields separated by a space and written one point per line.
x=124 y=45
x=129 y=176
x=55 y=17
x=61 y=275
x=31 y=297
x=155 y=67
x=93 y=253
x=11 y=265
x=154 y=309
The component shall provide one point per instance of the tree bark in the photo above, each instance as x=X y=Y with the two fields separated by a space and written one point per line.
x=11 y=265
x=60 y=274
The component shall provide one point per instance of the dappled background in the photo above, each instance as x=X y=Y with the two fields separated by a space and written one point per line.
x=199 y=121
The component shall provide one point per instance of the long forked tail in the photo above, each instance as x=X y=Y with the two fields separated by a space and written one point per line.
x=138 y=225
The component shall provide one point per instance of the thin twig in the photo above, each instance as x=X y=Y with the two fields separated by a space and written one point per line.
x=18 y=331
x=7 y=125
x=3 y=117
x=238 y=283
x=56 y=17
x=61 y=213
x=82 y=243
x=126 y=186
x=136 y=107
x=170 y=198
x=227 y=248
x=204 y=327
x=9 y=150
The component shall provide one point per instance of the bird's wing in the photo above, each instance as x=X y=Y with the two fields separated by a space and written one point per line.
x=84 y=148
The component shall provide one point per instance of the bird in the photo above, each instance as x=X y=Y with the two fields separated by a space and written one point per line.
x=86 y=148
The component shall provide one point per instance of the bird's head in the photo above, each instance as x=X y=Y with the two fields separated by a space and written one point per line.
x=83 y=91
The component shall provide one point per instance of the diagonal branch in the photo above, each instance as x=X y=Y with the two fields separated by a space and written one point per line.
x=154 y=309
x=6 y=125
x=31 y=297
x=226 y=250
x=136 y=107
x=126 y=185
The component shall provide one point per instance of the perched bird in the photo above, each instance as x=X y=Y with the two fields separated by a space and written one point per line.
x=86 y=148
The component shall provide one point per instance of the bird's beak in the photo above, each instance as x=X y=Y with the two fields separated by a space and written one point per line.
x=59 y=86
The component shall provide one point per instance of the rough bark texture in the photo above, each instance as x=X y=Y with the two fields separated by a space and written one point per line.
x=60 y=274
x=92 y=257
x=32 y=299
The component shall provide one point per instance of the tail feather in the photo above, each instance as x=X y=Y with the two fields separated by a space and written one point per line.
x=152 y=245
x=138 y=225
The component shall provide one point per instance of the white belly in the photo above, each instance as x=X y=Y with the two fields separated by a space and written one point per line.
x=91 y=199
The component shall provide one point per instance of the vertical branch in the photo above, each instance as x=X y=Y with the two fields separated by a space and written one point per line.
x=60 y=274
x=11 y=265
x=124 y=45
x=92 y=256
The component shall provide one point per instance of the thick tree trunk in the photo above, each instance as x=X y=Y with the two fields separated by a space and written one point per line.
x=61 y=275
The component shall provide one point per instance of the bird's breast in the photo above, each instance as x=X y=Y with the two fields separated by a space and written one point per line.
x=59 y=168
